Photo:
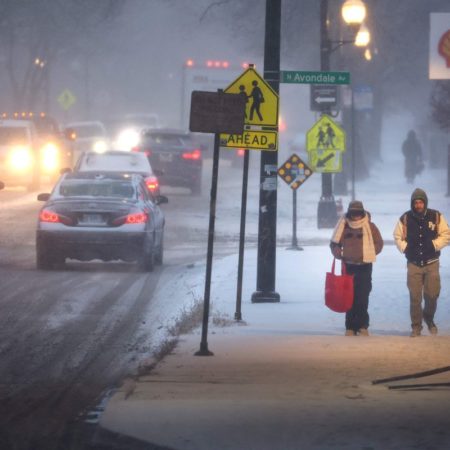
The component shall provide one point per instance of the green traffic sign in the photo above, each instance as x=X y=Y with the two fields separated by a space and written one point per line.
x=296 y=76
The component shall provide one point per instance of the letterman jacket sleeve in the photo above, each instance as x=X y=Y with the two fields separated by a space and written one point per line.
x=443 y=234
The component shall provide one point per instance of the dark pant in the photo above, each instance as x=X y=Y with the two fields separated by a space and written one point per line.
x=358 y=316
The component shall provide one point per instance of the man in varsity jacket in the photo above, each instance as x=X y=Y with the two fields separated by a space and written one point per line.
x=420 y=234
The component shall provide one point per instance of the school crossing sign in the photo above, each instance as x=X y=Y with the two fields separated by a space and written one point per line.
x=261 y=113
x=325 y=143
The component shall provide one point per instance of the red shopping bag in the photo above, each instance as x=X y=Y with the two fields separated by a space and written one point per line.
x=339 y=290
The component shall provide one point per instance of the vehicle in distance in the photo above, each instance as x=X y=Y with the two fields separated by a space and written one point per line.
x=120 y=162
x=175 y=155
x=19 y=153
x=125 y=131
x=108 y=216
x=89 y=135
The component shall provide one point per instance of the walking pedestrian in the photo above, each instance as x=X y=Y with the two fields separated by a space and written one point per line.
x=412 y=151
x=356 y=241
x=420 y=234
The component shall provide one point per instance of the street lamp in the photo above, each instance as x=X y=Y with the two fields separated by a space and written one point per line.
x=353 y=12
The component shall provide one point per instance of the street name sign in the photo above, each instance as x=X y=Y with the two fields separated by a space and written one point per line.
x=261 y=113
x=323 y=96
x=294 y=172
x=325 y=143
x=300 y=77
x=216 y=112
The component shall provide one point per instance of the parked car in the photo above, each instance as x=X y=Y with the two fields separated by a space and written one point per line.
x=107 y=216
x=120 y=162
x=176 y=155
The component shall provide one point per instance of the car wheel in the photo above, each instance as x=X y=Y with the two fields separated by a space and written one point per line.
x=45 y=260
x=147 y=259
x=196 y=189
x=160 y=255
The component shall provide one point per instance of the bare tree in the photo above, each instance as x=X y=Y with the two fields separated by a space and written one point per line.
x=34 y=32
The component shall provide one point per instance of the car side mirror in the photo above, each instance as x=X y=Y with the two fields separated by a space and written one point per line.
x=162 y=199
x=43 y=197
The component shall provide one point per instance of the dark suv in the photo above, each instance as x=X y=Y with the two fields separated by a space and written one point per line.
x=175 y=156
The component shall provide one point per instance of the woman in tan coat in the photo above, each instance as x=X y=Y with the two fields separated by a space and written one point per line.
x=357 y=241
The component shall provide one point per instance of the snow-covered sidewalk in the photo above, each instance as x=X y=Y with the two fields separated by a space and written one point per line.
x=288 y=378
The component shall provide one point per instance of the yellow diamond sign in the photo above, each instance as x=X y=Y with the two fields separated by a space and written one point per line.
x=66 y=99
x=261 y=113
x=325 y=143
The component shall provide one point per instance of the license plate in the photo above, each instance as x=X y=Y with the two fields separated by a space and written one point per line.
x=92 y=219
x=166 y=157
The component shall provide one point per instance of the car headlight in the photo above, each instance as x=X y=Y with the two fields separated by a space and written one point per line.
x=21 y=159
x=99 y=146
x=127 y=139
x=50 y=157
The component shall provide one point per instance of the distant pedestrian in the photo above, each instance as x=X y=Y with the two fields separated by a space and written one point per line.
x=420 y=234
x=257 y=96
x=412 y=151
x=357 y=241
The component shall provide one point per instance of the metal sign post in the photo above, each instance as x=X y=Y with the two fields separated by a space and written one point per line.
x=204 y=351
x=238 y=313
x=214 y=113
x=294 y=172
x=294 y=243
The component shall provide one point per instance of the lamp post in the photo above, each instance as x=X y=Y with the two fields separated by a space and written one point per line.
x=353 y=13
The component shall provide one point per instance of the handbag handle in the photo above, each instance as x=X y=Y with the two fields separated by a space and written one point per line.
x=343 y=269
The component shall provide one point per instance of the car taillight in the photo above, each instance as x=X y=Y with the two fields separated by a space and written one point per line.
x=147 y=152
x=50 y=216
x=195 y=154
x=152 y=184
x=131 y=219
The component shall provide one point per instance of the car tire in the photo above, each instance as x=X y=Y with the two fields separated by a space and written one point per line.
x=147 y=259
x=159 y=257
x=45 y=260
x=196 y=189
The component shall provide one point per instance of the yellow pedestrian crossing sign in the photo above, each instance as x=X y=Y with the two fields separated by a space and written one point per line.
x=325 y=143
x=261 y=112
x=66 y=99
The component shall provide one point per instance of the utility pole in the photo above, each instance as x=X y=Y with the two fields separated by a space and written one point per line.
x=267 y=225
x=326 y=211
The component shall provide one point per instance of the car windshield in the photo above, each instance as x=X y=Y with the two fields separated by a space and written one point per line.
x=96 y=188
x=173 y=140
x=88 y=131
x=13 y=135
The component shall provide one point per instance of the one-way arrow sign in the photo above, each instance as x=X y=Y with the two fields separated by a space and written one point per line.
x=323 y=96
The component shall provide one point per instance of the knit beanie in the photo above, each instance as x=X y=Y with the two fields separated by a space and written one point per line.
x=419 y=194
